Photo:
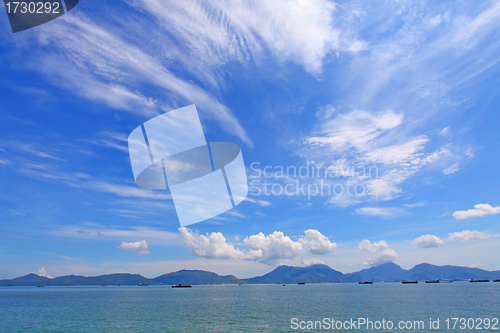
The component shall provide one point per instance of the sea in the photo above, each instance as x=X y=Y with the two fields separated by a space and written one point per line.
x=253 y=308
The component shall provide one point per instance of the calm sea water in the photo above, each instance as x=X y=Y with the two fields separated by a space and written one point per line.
x=245 y=308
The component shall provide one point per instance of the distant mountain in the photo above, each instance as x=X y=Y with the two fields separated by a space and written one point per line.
x=76 y=280
x=431 y=272
x=196 y=277
x=309 y=274
x=27 y=280
x=389 y=272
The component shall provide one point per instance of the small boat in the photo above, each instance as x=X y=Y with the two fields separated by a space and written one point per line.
x=301 y=283
x=479 y=280
x=143 y=284
x=181 y=286
x=283 y=284
x=41 y=286
x=409 y=282
x=496 y=280
x=365 y=282
x=103 y=285
x=239 y=284
x=432 y=281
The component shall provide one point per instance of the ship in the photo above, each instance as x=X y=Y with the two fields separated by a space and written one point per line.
x=409 y=282
x=181 y=286
x=432 y=281
x=496 y=280
x=41 y=286
x=446 y=281
x=479 y=280
x=365 y=282
x=301 y=283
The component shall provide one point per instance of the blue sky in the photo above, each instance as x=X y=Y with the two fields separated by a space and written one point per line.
x=406 y=88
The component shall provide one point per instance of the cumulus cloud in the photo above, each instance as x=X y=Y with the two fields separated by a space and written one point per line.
x=477 y=211
x=467 y=235
x=427 y=241
x=213 y=246
x=267 y=249
x=41 y=272
x=317 y=243
x=139 y=247
x=380 y=252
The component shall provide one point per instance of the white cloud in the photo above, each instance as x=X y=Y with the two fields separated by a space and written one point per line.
x=355 y=128
x=477 y=211
x=275 y=246
x=262 y=203
x=140 y=247
x=114 y=70
x=317 y=243
x=311 y=261
x=451 y=169
x=387 y=212
x=467 y=235
x=398 y=153
x=380 y=252
x=218 y=32
x=267 y=249
x=41 y=272
x=427 y=241
x=213 y=246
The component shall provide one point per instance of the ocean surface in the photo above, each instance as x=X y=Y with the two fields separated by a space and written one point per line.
x=246 y=308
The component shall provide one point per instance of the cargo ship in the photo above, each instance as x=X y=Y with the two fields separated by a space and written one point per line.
x=181 y=286
x=365 y=282
x=409 y=282
x=479 y=280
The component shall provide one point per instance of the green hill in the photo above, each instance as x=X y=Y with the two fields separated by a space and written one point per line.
x=195 y=277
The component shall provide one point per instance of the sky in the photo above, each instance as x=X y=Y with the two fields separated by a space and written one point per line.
x=369 y=133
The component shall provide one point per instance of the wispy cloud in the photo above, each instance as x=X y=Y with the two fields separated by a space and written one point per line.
x=304 y=32
x=96 y=233
x=386 y=212
x=112 y=66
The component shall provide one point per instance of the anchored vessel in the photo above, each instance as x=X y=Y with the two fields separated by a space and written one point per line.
x=409 y=282
x=181 y=286
x=479 y=280
x=365 y=282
